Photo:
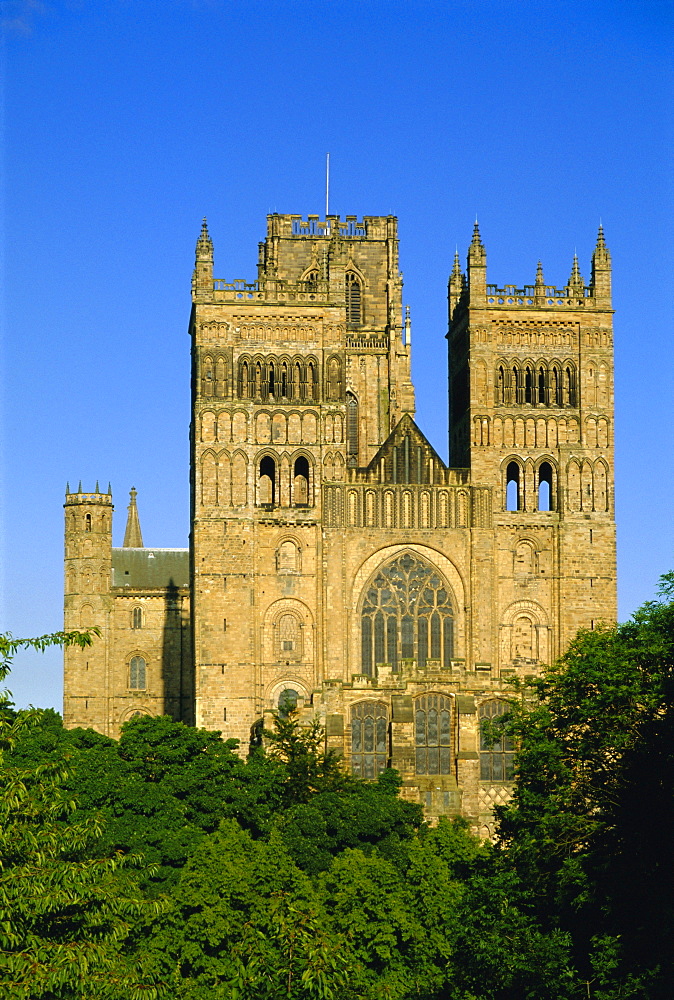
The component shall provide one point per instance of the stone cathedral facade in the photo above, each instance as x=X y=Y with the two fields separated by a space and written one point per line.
x=336 y=563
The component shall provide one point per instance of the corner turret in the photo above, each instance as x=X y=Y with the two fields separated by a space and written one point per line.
x=456 y=285
x=202 y=278
x=477 y=269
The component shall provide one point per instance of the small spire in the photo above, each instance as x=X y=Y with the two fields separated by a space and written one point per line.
x=408 y=327
x=132 y=536
x=477 y=240
x=109 y=490
x=602 y=254
x=204 y=243
x=456 y=270
x=576 y=279
x=79 y=490
x=539 y=274
x=97 y=489
x=67 y=488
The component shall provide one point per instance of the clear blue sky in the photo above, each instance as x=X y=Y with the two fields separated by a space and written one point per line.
x=126 y=122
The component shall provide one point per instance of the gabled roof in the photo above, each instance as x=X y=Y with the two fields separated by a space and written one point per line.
x=405 y=428
x=150 y=569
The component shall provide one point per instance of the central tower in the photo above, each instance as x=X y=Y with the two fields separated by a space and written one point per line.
x=296 y=378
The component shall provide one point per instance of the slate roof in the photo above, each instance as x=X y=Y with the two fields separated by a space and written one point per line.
x=150 y=569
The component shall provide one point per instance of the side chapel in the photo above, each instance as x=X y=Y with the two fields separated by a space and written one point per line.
x=337 y=564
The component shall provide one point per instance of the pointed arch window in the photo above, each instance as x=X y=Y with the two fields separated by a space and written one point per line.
x=272 y=379
x=496 y=747
x=334 y=379
x=351 y=429
x=137 y=618
x=541 y=385
x=311 y=280
x=353 y=299
x=137 y=673
x=432 y=734
x=407 y=614
x=369 y=738
x=87 y=522
x=528 y=385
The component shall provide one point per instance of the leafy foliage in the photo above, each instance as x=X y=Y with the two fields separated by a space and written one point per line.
x=65 y=910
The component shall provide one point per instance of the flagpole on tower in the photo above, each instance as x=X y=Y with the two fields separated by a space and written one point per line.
x=327 y=184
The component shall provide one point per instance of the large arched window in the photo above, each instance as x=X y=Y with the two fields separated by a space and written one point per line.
x=369 y=738
x=496 y=747
x=407 y=615
x=137 y=673
x=432 y=734
x=353 y=299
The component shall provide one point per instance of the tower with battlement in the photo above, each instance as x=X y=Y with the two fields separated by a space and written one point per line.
x=337 y=564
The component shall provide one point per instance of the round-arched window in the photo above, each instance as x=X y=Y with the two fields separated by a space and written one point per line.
x=287 y=702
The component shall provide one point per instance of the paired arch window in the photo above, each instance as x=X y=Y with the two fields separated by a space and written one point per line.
x=137 y=618
x=496 y=747
x=354 y=305
x=407 y=615
x=545 y=487
x=213 y=376
x=369 y=738
x=137 y=674
x=432 y=734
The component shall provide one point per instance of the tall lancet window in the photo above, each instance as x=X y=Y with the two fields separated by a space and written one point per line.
x=354 y=303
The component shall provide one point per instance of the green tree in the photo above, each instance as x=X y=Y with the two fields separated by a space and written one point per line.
x=589 y=826
x=65 y=911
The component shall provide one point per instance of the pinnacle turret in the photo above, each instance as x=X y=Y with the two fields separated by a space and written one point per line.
x=132 y=536
x=576 y=279
x=204 y=243
x=600 y=281
x=539 y=275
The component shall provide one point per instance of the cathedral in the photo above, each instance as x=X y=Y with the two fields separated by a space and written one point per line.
x=337 y=565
